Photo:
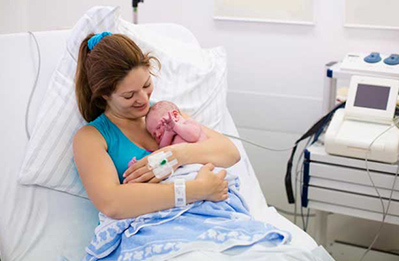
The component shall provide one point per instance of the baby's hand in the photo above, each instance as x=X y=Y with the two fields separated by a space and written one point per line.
x=163 y=123
x=169 y=123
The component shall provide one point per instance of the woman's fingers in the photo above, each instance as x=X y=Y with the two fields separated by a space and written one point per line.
x=140 y=163
x=209 y=166
x=137 y=165
x=143 y=178
x=138 y=173
x=154 y=180
x=141 y=168
x=222 y=174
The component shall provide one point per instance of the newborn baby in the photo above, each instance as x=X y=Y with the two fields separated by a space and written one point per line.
x=167 y=126
x=165 y=123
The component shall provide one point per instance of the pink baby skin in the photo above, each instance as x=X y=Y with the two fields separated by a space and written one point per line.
x=167 y=126
x=165 y=123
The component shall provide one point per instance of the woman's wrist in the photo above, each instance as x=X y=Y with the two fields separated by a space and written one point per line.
x=182 y=153
x=193 y=191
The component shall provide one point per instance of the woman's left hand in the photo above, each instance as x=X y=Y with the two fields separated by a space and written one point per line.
x=140 y=173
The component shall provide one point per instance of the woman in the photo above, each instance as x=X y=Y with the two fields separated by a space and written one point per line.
x=113 y=89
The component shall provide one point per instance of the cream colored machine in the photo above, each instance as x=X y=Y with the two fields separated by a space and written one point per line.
x=366 y=127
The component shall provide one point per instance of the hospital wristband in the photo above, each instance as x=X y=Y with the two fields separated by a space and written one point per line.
x=180 y=192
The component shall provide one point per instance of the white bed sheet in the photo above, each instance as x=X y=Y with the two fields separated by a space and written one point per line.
x=42 y=224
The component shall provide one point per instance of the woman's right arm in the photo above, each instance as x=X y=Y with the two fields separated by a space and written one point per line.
x=100 y=179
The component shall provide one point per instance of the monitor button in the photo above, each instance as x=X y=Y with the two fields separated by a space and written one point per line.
x=373 y=58
x=393 y=59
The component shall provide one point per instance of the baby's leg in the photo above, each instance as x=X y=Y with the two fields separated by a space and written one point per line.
x=178 y=140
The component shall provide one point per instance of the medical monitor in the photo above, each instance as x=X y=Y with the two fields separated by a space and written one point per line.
x=372 y=99
x=372 y=96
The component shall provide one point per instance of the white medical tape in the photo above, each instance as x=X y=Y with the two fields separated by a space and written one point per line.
x=157 y=159
x=163 y=170
x=160 y=165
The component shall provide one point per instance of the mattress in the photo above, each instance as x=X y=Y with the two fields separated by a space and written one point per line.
x=37 y=223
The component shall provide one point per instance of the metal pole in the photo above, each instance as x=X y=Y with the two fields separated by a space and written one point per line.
x=135 y=5
x=135 y=15
x=320 y=224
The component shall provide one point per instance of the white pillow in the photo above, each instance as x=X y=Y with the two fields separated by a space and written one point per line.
x=193 y=78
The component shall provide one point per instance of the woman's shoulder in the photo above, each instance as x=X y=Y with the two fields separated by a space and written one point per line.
x=92 y=128
x=88 y=134
x=100 y=120
x=87 y=130
x=103 y=126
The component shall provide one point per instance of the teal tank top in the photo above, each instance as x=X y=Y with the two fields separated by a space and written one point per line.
x=120 y=148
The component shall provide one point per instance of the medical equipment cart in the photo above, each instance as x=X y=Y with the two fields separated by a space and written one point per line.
x=340 y=184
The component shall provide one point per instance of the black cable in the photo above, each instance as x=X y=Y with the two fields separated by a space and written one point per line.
x=302 y=216
x=307 y=221
x=315 y=129
x=135 y=3
x=297 y=172
x=304 y=222
x=317 y=132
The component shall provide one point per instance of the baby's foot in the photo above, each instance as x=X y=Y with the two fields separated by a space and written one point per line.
x=132 y=162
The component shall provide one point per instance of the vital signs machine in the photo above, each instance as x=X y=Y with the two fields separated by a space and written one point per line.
x=365 y=128
x=337 y=178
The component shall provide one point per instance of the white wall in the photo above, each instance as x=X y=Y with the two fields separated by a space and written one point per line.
x=50 y=14
x=43 y=15
x=275 y=77
x=13 y=16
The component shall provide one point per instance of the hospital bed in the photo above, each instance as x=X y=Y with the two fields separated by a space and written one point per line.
x=37 y=223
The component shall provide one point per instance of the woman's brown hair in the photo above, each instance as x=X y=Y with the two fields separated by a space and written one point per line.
x=100 y=70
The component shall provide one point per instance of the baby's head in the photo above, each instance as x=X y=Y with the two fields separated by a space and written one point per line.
x=158 y=111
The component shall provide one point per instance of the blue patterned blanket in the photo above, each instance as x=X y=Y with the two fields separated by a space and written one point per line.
x=203 y=225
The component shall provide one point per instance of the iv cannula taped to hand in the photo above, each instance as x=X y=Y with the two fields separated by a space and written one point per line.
x=160 y=165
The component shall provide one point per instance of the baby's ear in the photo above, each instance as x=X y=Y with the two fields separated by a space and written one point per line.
x=175 y=113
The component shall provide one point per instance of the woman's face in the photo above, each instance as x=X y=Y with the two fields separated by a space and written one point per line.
x=131 y=97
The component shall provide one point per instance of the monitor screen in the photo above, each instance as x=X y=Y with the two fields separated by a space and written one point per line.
x=372 y=96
